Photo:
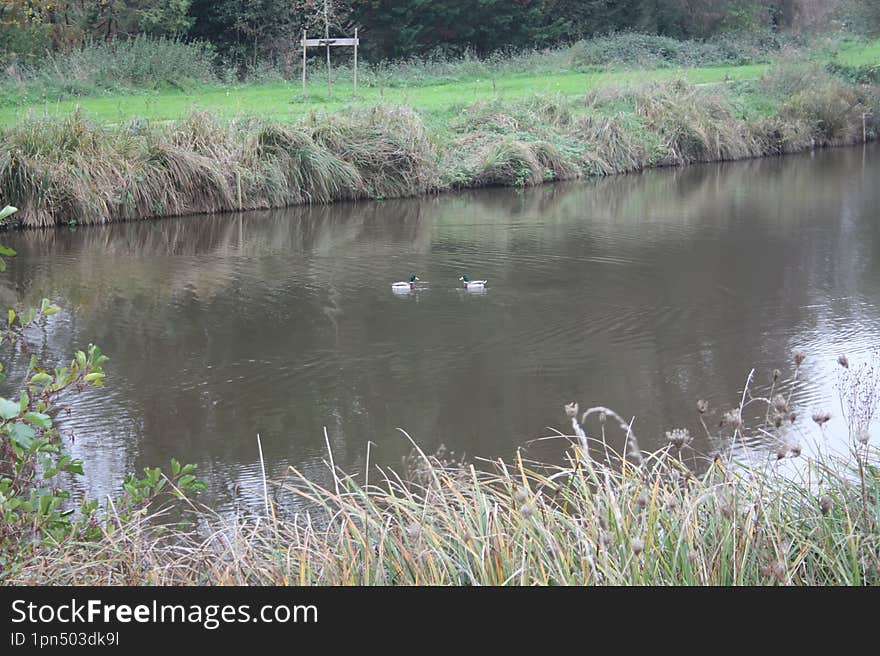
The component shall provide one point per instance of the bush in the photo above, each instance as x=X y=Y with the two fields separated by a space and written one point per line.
x=653 y=51
x=119 y=65
x=35 y=467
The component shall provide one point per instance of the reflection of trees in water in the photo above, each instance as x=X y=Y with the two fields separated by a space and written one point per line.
x=666 y=313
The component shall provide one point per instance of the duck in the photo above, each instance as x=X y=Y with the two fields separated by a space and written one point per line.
x=405 y=286
x=467 y=283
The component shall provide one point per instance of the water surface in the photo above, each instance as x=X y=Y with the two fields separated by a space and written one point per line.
x=643 y=293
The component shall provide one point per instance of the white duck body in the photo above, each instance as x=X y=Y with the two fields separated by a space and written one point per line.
x=404 y=287
x=469 y=284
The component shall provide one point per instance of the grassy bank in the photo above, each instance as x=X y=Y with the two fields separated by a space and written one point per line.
x=76 y=169
x=664 y=518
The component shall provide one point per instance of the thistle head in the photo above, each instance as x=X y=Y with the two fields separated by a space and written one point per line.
x=679 y=437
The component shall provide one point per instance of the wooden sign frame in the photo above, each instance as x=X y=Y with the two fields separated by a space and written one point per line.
x=327 y=43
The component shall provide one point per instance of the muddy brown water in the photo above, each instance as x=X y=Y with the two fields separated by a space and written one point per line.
x=643 y=293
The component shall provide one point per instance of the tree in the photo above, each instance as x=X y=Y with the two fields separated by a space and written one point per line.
x=111 y=18
x=393 y=29
x=864 y=16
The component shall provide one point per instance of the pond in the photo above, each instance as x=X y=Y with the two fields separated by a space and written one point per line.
x=642 y=293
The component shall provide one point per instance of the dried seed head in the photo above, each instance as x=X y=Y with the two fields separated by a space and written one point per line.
x=638 y=546
x=727 y=510
x=520 y=495
x=702 y=406
x=605 y=539
x=413 y=531
x=793 y=417
x=679 y=437
x=765 y=570
x=780 y=403
x=642 y=502
x=795 y=449
x=692 y=556
x=672 y=504
x=603 y=522
x=571 y=410
x=776 y=375
x=825 y=504
x=863 y=436
x=843 y=361
x=732 y=418
x=821 y=417
x=778 y=568
x=782 y=451
x=778 y=418
x=799 y=357
x=602 y=417
x=528 y=510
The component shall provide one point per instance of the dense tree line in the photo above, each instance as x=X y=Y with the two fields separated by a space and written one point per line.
x=254 y=29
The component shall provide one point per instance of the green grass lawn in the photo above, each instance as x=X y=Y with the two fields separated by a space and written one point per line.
x=435 y=100
x=284 y=100
x=858 y=53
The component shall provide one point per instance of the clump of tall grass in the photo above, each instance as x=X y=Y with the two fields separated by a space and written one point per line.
x=606 y=516
x=76 y=170
x=693 y=124
x=513 y=162
x=389 y=148
x=612 y=144
x=836 y=111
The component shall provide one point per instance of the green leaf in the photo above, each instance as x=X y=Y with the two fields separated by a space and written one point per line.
x=47 y=308
x=45 y=503
x=8 y=252
x=9 y=409
x=39 y=419
x=41 y=377
x=20 y=434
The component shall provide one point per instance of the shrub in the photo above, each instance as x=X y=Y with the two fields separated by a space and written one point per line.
x=118 y=65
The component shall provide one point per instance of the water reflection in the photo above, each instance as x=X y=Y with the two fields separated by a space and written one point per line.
x=642 y=293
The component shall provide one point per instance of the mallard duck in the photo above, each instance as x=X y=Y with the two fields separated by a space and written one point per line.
x=405 y=286
x=467 y=283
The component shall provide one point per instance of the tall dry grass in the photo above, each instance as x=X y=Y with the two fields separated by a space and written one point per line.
x=603 y=517
x=75 y=170
x=80 y=171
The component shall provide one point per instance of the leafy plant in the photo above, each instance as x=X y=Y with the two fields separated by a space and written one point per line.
x=35 y=466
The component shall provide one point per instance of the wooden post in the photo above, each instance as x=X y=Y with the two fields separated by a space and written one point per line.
x=304 y=63
x=864 y=127
x=327 y=36
x=355 y=62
